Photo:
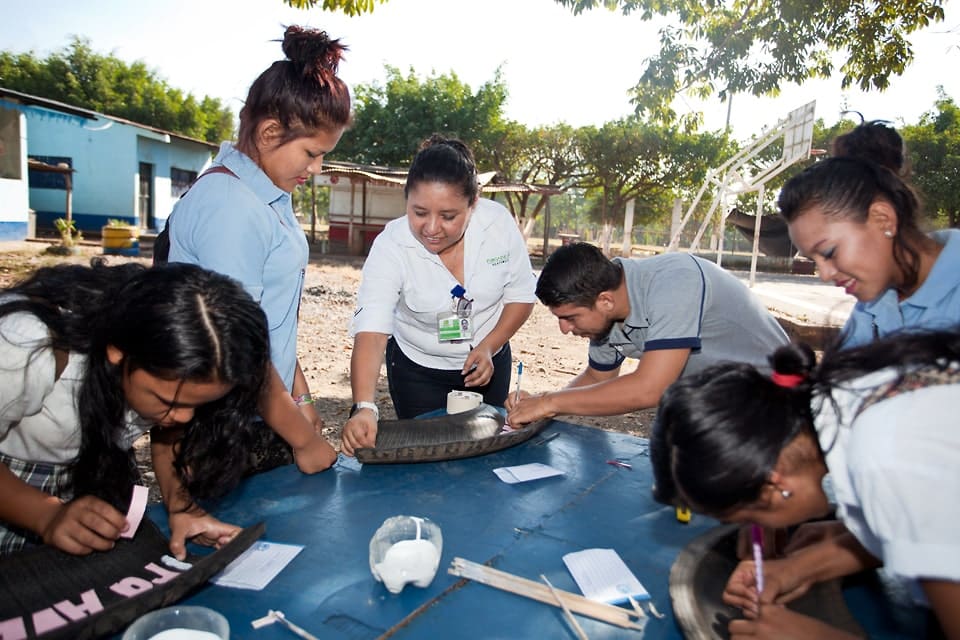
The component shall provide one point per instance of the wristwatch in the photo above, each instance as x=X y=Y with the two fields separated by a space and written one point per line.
x=366 y=405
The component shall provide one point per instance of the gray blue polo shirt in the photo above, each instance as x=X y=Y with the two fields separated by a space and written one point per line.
x=679 y=301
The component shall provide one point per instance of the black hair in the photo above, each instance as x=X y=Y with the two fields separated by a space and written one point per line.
x=844 y=189
x=176 y=322
x=446 y=160
x=303 y=92
x=874 y=141
x=576 y=274
x=718 y=433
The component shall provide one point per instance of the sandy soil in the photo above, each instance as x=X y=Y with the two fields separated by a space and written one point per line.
x=550 y=359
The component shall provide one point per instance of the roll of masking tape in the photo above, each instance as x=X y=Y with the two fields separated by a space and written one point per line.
x=460 y=401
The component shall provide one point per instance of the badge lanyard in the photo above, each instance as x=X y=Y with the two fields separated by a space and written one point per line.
x=456 y=325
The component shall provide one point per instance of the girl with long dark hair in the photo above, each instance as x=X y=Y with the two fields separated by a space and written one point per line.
x=93 y=357
x=744 y=446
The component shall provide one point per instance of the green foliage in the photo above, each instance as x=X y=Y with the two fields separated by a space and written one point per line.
x=349 y=7
x=652 y=164
x=391 y=120
x=542 y=156
x=80 y=77
x=933 y=147
x=69 y=234
x=303 y=202
x=753 y=46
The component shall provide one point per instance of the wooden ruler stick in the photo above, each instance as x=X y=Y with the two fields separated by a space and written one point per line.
x=538 y=591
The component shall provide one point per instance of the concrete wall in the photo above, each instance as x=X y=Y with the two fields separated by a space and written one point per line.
x=14 y=194
x=106 y=156
x=383 y=203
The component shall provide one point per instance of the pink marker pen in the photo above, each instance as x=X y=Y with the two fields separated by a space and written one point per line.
x=756 y=534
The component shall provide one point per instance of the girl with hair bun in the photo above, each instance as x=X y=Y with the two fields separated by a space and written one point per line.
x=875 y=141
x=742 y=446
x=860 y=224
x=238 y=219
x=93 y=357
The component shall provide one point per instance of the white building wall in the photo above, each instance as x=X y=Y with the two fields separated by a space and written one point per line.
x=383 y=203
x=14 y=194
x=182 y=155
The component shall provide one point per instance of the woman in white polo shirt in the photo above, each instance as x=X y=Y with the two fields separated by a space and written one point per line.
x=444 y=289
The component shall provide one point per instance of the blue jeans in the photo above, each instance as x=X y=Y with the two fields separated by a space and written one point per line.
x=416 y=390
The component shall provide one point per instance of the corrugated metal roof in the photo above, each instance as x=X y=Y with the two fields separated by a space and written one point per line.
x=28 y=99
x=398 y=177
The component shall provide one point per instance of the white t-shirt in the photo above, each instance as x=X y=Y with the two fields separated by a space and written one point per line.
x=895 y=469
x=405 y=286
x=38 y=413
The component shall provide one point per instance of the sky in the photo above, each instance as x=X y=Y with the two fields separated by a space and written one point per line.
x=558 y=67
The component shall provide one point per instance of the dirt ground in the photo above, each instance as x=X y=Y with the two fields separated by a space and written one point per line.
x=550 y=359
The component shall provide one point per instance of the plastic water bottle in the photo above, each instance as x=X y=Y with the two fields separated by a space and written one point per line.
x=405 y=550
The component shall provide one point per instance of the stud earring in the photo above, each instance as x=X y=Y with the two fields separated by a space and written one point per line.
x=786 y=494
x=888 y=234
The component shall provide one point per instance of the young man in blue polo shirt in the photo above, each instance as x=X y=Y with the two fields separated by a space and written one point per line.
x=675 y=312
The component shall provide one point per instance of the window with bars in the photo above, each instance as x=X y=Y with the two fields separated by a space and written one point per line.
x=180 y=181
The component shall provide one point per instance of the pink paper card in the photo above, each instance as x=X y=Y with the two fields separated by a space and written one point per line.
x=138 y=506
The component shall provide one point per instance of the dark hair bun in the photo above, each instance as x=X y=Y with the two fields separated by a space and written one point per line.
x=796 y=358
x=313 y=51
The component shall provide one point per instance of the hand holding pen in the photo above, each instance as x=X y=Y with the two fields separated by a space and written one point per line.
x=756 y=535
x=516 y=395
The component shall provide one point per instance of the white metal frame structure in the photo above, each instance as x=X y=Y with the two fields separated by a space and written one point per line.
x=743 y=174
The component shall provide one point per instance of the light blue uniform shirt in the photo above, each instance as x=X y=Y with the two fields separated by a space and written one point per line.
x=935 y=305
x=244 y=227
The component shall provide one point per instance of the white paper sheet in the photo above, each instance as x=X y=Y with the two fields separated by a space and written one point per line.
x=602 y=576
x=257 y=566
x=526 y=472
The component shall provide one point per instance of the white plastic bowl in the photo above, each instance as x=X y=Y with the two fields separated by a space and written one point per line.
x=179 y=623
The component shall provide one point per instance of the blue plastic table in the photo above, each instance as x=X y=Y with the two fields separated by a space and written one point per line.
x=523 y=529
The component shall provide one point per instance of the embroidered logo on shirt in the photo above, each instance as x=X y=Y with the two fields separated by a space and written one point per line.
x=494 y=261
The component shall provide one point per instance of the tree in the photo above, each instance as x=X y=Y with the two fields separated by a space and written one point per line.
x=652 y=164
x=349 y=7
x=391 y=120
x=933 y=146
x=752 y=46
x=80 y=77
x=544 y=156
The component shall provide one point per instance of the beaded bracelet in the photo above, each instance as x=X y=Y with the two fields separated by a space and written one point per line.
x=303 y=399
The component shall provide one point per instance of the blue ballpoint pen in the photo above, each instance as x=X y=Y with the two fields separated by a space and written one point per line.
x=516 y=395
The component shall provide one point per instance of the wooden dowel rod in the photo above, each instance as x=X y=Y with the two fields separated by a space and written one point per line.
x=581 y=634
x=537 y=591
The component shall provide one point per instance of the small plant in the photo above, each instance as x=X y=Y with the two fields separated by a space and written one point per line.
x=69 y=234
x=116 y=222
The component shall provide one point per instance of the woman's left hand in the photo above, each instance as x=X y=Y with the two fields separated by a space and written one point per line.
x=478 y=368
x=198 y=526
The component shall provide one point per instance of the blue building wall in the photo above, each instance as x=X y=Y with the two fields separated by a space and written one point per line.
x=106 y=155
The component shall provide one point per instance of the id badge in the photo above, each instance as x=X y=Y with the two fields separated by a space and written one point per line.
x=454 y=328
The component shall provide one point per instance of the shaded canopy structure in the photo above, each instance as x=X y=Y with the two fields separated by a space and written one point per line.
x=365 y=197
x=774 y=237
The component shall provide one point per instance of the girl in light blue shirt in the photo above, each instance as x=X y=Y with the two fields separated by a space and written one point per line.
x=238 y=219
